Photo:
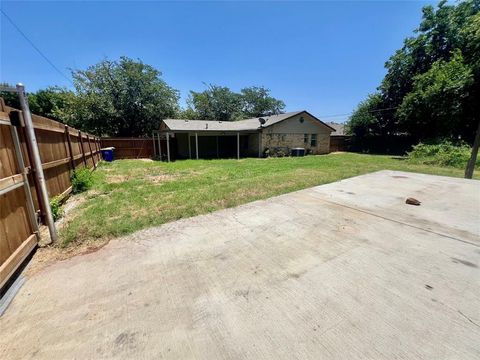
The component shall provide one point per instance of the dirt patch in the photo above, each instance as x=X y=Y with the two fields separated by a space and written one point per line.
x=156 y=179
x=47 y=256
x=115 y=179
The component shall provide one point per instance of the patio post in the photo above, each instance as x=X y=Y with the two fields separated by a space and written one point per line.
x=189 y=146
x=159 y=146
x=259 y=145
x=238 y=146
x=196 y=144
x=168 y=147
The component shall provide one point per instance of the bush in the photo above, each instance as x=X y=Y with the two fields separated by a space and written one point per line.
x=55 y=205
x=443 y=154
x=82 y=180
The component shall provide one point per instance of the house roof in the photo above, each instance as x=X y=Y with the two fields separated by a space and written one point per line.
x=241 y=125
x=339 y=129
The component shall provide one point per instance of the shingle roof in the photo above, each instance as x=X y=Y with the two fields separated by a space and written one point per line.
x=339 y=129
x=241 y=125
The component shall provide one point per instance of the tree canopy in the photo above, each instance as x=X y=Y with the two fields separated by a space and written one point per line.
x=48 y=102
x=129 y=98
x=120 y=98
x=431 y=89
x=221 y=103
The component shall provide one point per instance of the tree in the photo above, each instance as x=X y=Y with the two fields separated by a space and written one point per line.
x=49 y=102
x=120 y=98
x=364 y=121
x=416 y=97
x=221 y=103
x=435 y=107
x=216 y=103
x=258 y=102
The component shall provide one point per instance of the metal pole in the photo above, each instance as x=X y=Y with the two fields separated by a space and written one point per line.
x=168 y=147
x=37 y=163
x=28 y=193
x=196 y=144
x=189 y=147
x=238 y=146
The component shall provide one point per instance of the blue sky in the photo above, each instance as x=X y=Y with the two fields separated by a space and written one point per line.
x=323 y=57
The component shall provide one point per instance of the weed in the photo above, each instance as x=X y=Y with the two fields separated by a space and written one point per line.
x=56 y=206
x=82 y=180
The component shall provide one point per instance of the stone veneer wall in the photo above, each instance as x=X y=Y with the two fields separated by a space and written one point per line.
x=289 y=141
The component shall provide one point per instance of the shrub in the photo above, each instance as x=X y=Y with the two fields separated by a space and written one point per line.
x=82 y=180
x=55 y=205
x=443 y=154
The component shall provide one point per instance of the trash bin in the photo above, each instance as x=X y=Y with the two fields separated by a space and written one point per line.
x=107 y=153
x=297 y=152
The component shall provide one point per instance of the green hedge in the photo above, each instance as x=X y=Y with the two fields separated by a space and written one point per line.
x=443 y=154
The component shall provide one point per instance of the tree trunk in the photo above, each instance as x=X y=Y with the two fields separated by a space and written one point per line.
x=473 y=157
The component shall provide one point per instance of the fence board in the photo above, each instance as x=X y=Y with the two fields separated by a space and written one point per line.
x=130 y=148
x=58 y=157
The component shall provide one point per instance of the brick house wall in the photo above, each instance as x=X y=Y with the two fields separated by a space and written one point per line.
x=292 y=133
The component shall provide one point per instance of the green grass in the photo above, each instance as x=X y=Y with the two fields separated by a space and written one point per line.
x=129 y=195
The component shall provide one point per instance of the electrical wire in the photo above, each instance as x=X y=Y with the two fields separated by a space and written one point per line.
x=36 y=48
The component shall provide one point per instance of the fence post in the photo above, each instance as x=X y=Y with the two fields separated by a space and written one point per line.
x=83 y=150
x=37 y=162
x=153 y=140
x=96 y=149
x=91 y=152
x=69 y=143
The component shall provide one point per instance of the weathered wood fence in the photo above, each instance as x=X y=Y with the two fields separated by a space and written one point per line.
x=62 y=150
x=130 y=148
x=340 y=143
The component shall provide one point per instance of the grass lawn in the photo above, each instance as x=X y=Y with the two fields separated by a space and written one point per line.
x=129 y=195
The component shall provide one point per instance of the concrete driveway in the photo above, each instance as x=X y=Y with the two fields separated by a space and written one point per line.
x=340 y=271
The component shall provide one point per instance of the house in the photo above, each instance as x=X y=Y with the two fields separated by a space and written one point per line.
x=251 y=137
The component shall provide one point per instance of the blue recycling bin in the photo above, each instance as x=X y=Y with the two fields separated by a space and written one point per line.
x=107 y=153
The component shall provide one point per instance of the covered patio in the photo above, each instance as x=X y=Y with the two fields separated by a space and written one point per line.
x=188 y=139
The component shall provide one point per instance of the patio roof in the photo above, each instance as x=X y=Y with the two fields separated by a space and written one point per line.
x=241 y=125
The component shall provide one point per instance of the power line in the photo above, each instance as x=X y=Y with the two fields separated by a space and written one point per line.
x=350 y=113
x=36 y=48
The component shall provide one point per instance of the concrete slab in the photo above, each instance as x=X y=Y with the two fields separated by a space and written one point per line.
x=340 y=271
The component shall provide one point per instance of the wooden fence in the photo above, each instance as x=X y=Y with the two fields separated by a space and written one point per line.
x=62 y=150
x=340 y=143
x=130 y=148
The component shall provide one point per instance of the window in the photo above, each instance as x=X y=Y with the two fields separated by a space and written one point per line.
x=313 y=140
x=305 y=138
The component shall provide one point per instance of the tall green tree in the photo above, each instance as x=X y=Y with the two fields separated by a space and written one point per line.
x=258 y=102
x=363 y=121
x=445 y=45
x=49 y=102
x=435 y=107
x=121 y=98
x=216 y=103
x=221 y=103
